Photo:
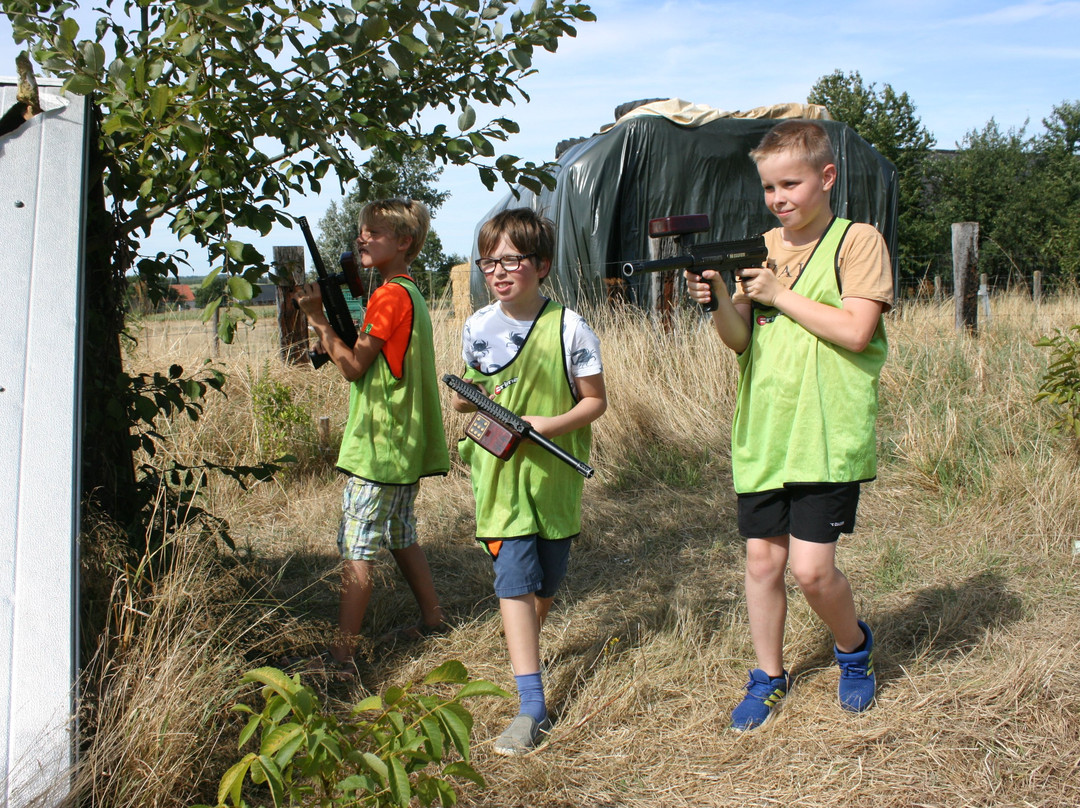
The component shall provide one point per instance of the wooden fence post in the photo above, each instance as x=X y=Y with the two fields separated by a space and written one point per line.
x=939 y=293
x=292 y=323
x=965 y=251
x=1036 y=287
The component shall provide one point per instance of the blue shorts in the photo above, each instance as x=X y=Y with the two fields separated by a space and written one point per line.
x=374 y=515
x=818 y=513
x=529 y=565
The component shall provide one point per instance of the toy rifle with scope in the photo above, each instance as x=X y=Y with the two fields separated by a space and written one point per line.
x=723 y=256
x=337 y=310
x=499 y=431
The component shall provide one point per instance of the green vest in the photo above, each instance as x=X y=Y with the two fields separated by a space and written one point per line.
x=532 y=492
x=394 y=434
x=805 y=408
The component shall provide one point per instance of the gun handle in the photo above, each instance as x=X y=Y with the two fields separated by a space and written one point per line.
x=713 y=303
x=318 y=359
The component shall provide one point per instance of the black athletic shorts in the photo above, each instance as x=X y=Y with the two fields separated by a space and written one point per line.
x=818 y=513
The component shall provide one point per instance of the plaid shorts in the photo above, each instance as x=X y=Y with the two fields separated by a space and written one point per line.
x=374 y=515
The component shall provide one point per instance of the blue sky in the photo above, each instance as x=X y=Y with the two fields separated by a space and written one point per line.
x=961 y=63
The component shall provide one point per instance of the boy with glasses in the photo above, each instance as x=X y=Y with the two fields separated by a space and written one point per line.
x=541 y=361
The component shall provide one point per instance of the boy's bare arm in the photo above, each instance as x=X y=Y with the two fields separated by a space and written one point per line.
x=353 y=363
x=851 y=326
x=592 y=402
x=732 y=322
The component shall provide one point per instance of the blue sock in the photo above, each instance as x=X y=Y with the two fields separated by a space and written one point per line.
x=531 y=692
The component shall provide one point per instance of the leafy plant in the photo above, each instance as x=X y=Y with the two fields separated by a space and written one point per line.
x=378 y=757
x=280 y=419
x=1061 y=382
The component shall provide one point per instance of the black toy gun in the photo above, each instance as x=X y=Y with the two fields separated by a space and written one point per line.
x=499 y=431
x=337 y=311
x=723 y=256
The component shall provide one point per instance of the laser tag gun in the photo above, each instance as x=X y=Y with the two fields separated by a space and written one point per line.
x=337 y=310
x=723 y=256
x=499 y=431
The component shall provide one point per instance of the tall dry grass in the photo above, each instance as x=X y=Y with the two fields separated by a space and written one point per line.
x=963 y=563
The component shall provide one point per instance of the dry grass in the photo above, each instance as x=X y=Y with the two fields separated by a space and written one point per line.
x=963 y=563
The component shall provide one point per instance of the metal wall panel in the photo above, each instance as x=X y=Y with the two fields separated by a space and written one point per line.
x=41 y=218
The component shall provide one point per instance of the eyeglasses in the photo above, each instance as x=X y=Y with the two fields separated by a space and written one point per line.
x=511 y=263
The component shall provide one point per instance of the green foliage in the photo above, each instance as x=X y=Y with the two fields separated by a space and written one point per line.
x=165 y=494
x=1061 y=384
x=380 y=756
x=216 y=112
x=887 y=120
x=280 y=420
x=209 y=290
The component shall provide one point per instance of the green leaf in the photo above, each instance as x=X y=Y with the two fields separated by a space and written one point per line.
x=233 y=780
x=80 y=84
x=451 y=672
x=239 y=288
x=376 y=765
x=371 y=703
x=481 y=687
x=413 y=44
x=399 y=783
x=461 y=769
x=249 y=729
x=467 y=118
x=433 y=736
x=159 y=101
x=456 y=728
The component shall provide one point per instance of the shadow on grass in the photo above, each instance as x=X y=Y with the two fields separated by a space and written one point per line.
x=936 y=622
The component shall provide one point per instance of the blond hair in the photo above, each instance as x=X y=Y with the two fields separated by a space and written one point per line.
x=404 y=217
x=804 y=140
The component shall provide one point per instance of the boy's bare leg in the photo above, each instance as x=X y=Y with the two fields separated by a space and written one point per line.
x=543 y=606
x=414 y=567
x=355 y=595
x=521 y=625
x=766 y=600
x=813 y=564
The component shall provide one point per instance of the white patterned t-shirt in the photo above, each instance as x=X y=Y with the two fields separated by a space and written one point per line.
x=491 y=339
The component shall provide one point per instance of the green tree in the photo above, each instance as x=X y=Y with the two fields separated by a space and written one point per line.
x=211 y=114
x=1061 y=150
x=997 y=178
x=887 y=120
x=411 y=177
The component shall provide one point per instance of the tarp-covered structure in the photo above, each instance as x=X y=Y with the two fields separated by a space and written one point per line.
x=671 y=159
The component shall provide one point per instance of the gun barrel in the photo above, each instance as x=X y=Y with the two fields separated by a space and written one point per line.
x=631 y=268
x=313 y=248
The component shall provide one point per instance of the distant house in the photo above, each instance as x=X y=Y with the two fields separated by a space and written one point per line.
x=183 y=296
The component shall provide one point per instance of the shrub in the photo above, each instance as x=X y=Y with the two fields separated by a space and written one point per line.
x=380 y=757
x=1061 y=382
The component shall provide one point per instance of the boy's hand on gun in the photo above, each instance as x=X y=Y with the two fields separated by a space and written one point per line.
x=699 y=287
x=461 y=404
x=309 y=299
x=760 y=284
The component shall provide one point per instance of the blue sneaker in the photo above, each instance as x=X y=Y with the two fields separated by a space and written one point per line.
x=857 y=682
x=763 y=694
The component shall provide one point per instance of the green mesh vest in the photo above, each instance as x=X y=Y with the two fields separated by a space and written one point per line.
x=532 y=491
x=394 y=433
x=805 y=410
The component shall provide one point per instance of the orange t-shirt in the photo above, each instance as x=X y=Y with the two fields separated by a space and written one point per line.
x=389 y=317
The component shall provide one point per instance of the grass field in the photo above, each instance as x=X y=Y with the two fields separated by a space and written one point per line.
x=964 y=564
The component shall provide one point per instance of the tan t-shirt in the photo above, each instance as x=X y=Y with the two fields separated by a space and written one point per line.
x=865 y=268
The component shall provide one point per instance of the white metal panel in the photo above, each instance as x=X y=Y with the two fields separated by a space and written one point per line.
x=41 y=217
